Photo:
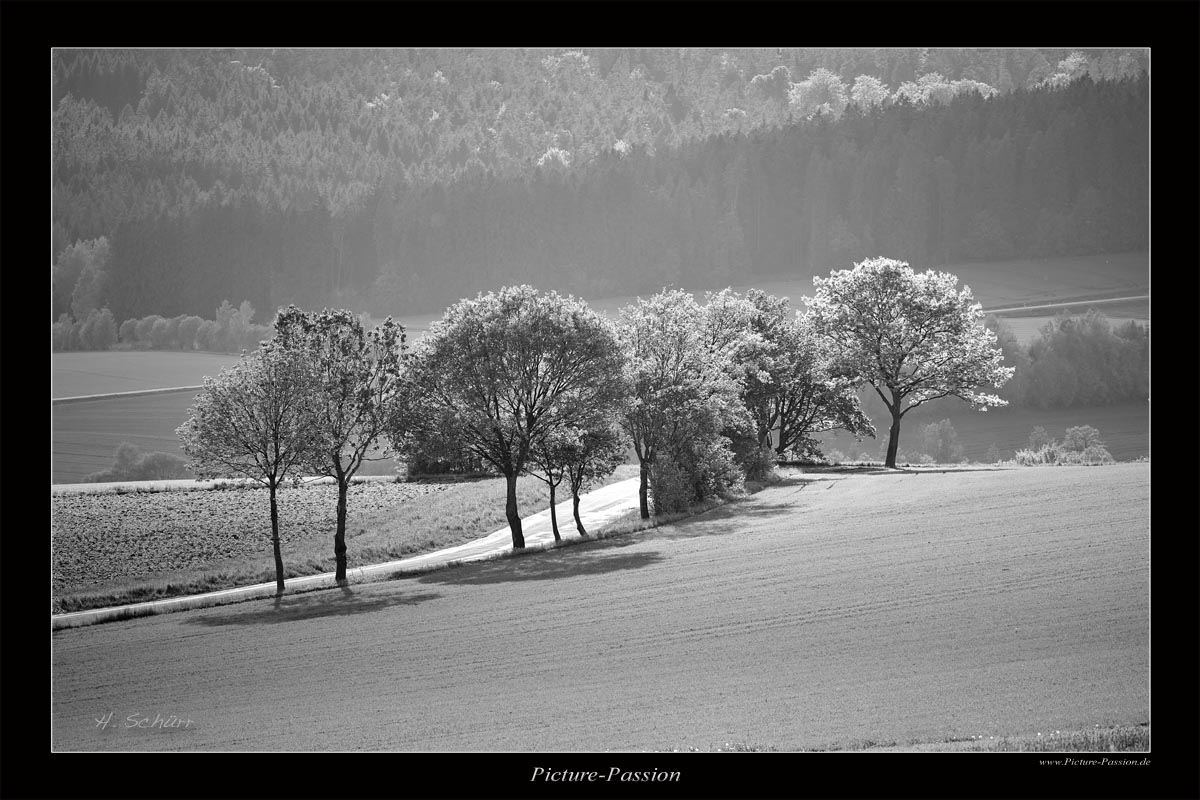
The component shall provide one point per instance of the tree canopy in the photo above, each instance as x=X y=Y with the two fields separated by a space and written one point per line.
x=355 y=385
x=397 y=181
x=683 y=399
x=506 y=369
x=914 y=337
x=253 y=420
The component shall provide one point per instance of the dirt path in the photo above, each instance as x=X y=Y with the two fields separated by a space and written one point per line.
x=829 y=610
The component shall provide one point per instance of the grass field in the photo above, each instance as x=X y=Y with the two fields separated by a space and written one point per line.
x=826 y=612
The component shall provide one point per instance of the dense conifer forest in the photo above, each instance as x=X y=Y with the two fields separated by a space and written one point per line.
x=399 y=181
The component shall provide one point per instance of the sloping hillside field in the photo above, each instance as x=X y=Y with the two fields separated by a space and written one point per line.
x=834 y=609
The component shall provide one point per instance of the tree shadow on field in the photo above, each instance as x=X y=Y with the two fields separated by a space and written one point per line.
x=723 y=520
x=587 y=559
x=313 y=605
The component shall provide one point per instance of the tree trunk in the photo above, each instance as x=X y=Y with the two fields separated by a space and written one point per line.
x=575 y=508
x=893 y=437
x=275 y=544
x=642 y=487
x=339 y=537
x=554 y=516
x=510 y=510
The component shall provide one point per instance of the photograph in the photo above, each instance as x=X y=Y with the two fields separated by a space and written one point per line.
x=641 y=403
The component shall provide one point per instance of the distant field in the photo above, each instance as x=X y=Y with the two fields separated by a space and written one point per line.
x=995 y=284
x=1027 y=325
x=84 y=436
x=77 y=374
x=1004 y=283
x=1124 y=428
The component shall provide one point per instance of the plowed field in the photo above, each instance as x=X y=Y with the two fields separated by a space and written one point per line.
x=829 y=610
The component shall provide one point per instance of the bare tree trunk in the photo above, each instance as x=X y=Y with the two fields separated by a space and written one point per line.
x=339 y=537
x=275 y=543
x=510 y=510
x=642 y=487
x=575 y=508
x=893 y=438
x=554 y=516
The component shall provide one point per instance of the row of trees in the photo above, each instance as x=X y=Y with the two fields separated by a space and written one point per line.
x=232 y=331
x=537 y=383
x=198 y=205
x=1077 y=361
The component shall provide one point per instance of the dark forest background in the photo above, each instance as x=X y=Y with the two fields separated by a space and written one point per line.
x=397 y=181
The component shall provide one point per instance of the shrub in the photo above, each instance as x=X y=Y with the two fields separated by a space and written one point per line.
x=160 y=334
x=128 y=331
x=173 y=331
x=64 y=335
x=144 y=329
x=131 y=464
x=208 y=336
x=939 y=440
x=669 y=487
x=1038 y=438
x=1096 y=454
x=99 y=331
x=1081 y=438
x=993 y=454
x=1055 y=454
x=1047 y=455
x=160 y=466
x=189 y=326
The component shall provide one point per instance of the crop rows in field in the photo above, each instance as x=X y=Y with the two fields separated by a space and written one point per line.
x=832 y=609
x=106 y=537
x=105 y=542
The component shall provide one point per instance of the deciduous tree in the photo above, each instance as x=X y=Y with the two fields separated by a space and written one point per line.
x=682 y=396
x=787 y=382
x=498 y=367
x=914 y=337
x=599 y=450
x=253 y=420
x=356 y=377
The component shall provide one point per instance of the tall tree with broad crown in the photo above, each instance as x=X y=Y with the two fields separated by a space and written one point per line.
x=355 y=382
x=507 y=367
x=682 y=391
x=914 y=337
x=253 y=420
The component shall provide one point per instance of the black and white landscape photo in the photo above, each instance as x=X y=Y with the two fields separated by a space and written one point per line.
x=602 y=405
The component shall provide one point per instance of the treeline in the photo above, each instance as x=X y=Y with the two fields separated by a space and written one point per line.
x=1080 y=360
x=281 y=124
x=270 y=181
x=232 y=331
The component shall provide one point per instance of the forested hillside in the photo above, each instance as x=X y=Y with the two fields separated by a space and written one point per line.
x=398 y=181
